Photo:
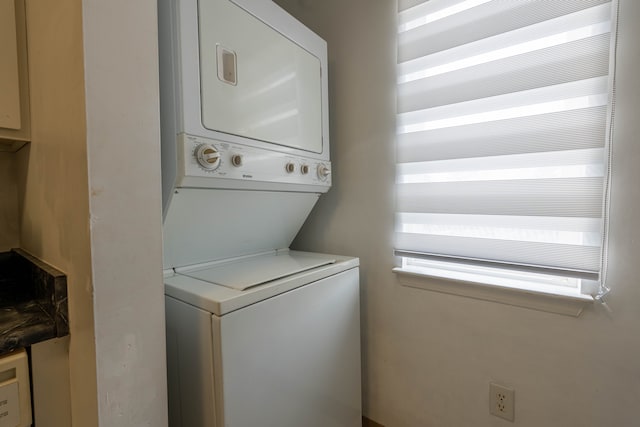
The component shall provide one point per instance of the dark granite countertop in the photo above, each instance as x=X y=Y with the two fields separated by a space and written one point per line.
x=33 y=301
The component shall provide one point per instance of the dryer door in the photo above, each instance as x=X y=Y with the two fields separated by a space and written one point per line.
x=255 y=82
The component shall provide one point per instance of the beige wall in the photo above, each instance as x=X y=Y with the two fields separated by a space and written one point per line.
x=429 y=357
x=9 y=222
x=54 y=205
x=89 y=204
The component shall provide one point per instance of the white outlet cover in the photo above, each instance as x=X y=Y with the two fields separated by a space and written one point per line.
x=9 y=404
x=502 y=401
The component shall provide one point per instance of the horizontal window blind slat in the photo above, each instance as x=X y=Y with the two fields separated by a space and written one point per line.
x=530 y=39
x=430 y=11
x=408 y=4
x=564 y=97
x=565 y=130
x=485 y=21
x=578 y=225
x=479 y=269
x=587 y=161
x=579 y=60
x=571 y=257
x=563 y=197
x=409 y=223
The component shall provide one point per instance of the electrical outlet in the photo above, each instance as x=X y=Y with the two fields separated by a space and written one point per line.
x=502 y=401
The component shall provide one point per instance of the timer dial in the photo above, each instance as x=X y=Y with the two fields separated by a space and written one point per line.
x=208 y=156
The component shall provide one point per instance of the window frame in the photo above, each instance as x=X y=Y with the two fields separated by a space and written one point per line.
x=514 y=288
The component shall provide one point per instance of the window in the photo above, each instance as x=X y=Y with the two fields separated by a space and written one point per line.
x=504 y=121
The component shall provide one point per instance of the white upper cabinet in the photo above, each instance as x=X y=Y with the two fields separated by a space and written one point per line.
x=15 y=126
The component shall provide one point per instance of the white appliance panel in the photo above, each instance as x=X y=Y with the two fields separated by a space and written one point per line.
x=288 y=361
x=245 y=273
x=255 y=82
x=281 y=372
x=198 y=101
x=243 y=167
x=190 y=376
x=204 y=225
x=15 y=393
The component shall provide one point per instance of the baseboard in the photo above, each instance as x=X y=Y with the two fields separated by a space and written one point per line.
x=366 y=422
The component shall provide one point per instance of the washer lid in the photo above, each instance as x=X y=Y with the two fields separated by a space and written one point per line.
x=248 y=272
x=220 y=300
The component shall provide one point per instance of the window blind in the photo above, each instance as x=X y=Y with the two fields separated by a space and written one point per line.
x=504 y=109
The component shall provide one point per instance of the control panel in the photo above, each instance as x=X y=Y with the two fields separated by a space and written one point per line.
x=15 y=394
x=206 y=158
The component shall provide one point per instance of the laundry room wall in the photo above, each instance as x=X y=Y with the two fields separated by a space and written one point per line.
x=89 y=204
x=356 y=216
x=428 y=357
x=123 y=148
x=54 y=208
x=9 y=222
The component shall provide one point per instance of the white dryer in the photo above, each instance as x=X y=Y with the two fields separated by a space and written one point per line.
x=257 y=335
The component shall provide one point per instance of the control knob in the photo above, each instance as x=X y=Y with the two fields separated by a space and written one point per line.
x=208 y=156
x=290 y=167
x=323 y=172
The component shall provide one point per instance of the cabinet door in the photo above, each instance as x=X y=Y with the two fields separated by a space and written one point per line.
x=9 y=80
x=14 y=97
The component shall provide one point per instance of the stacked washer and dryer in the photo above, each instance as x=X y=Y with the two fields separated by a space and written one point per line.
x=257 y=334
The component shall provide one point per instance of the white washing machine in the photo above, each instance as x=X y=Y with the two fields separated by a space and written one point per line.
x=282 y=353
x=257 y=335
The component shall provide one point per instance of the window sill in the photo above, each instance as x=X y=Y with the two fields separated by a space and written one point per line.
x=567 y=303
